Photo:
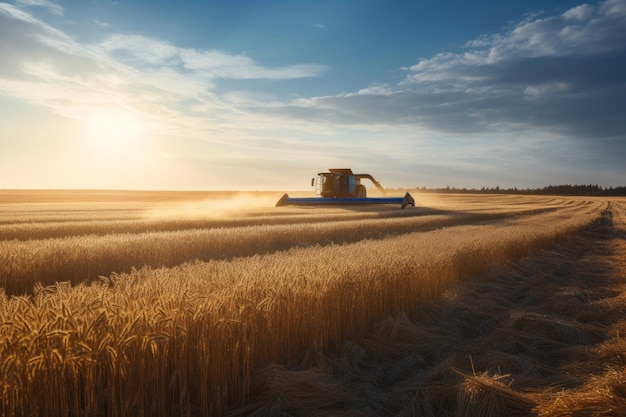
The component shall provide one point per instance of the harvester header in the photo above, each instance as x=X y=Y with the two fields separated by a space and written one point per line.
x=340 y=186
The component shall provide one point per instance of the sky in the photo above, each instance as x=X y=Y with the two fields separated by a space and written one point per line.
x=262 y=95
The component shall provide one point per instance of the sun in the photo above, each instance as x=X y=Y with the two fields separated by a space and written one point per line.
x=113 y=132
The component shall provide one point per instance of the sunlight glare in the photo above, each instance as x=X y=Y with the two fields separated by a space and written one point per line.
x=113 y=133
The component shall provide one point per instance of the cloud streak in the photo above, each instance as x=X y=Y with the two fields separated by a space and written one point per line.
x=564 y=74
x=52 y=8
x=41 y=64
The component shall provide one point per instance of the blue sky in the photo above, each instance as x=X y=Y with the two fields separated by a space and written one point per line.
x=260 y=95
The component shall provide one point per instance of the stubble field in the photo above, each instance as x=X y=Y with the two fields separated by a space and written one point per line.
x=208 y=304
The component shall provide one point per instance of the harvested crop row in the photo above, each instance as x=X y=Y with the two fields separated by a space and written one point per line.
x=31 y=226
x=51 y=230
x=22 y=217
x=619 y=215
x=82 y=258
x=187 y=340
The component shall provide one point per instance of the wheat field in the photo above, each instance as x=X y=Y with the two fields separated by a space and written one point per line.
x=208 y=304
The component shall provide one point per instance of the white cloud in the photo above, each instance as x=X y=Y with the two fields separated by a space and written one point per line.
x=15 y=13
x=220 y=64
x=554 y=76
x=582 y=30
x=578 y=13
x=138 y=49
x=156 y=78
x=215 y=61
x=538 y=90
x=51 y=7
x=614 y=8
x=378 y=90
x=103 y=25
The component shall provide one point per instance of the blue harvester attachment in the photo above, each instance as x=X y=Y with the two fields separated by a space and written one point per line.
x=340 y=186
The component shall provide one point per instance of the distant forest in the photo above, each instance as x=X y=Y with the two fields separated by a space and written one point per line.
x=591 y=190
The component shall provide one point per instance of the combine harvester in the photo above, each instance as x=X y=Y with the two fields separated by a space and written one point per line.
x=343 y=187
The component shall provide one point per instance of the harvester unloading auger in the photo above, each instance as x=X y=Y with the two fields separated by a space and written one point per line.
x=340 y=186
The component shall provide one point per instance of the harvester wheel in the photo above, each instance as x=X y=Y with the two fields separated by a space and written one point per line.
x=361 y=191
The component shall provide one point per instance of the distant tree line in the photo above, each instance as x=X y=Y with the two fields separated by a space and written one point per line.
x=590 y=190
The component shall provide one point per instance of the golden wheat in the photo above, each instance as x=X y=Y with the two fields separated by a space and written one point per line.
x=186 y=340
x=45 y=221
x=81 y=258
x=541 y=336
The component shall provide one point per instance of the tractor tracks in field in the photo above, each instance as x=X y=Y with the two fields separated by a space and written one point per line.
x=537 y=337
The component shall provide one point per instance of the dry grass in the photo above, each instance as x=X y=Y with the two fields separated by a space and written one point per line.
x=490 y=395
x=189 y=339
